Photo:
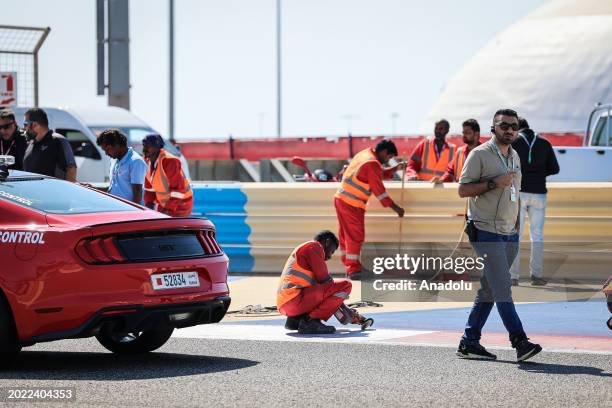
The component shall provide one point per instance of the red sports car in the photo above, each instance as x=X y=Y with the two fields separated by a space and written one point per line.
x=81 y=263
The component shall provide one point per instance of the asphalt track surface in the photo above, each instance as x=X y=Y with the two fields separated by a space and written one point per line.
x=190 y=372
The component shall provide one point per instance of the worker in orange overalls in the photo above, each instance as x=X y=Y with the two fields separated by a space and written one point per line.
x=307 y=293
x=471 y=138
x=431 y=156
x=166 y=188
x=362 y=178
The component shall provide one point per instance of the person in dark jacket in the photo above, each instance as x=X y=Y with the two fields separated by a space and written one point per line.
x=538 y=161
x=12 y=139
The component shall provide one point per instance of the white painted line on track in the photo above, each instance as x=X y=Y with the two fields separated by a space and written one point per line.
x=350 y=335
x=278 y=333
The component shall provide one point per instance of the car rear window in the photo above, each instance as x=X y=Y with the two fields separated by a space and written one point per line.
x=59 y=197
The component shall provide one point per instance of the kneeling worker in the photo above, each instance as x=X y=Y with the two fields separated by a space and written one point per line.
x=307 y=293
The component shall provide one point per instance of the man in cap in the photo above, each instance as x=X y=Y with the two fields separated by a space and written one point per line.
x=166 y=188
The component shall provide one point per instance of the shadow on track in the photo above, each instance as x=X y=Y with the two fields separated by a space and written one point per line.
x=547 y=368
x=45 y=365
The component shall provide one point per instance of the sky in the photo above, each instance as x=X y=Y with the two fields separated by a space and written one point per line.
x=360 y=66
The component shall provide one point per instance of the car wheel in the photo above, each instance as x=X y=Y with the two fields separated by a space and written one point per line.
x=9 y=343
x=132 y=343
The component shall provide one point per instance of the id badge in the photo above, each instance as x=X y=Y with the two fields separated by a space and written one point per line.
x=513 y=196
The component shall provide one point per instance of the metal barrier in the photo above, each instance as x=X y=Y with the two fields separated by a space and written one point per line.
x=260 y=223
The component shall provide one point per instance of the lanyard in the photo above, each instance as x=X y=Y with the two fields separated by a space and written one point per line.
x=530 y=145
x=501 y=157
x=9 y=148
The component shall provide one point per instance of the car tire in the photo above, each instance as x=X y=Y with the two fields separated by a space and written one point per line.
x=135 y=343
x=9 y=343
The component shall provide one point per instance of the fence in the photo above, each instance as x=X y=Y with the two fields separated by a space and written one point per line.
x=19 y=48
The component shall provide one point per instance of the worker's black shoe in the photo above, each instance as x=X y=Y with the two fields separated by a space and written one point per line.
x=355 y=276
x=314 y=326
x=525 y=349
x=293 y=322
x=538 y=281
x=474 y=351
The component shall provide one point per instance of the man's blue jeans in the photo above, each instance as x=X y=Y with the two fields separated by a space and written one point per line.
x=498 y=252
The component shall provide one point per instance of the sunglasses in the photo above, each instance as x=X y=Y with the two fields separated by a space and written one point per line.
x=27 y=123
x=6 y=127
x=505 y=126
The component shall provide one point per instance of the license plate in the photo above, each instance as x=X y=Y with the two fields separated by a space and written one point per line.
x=175 y=280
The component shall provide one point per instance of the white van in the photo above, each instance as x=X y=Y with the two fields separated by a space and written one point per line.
x=82 y=126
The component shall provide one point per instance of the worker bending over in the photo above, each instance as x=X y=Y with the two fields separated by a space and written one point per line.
x=362 y=178
x=307 y=293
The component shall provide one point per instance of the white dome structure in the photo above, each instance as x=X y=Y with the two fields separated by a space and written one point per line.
x=552 y=67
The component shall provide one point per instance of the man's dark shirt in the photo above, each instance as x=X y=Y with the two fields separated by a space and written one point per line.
x=16 y=147
x=51 y=156
x=543 y=162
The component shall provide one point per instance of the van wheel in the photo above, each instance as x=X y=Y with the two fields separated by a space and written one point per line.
x=134 y=343
x=9 y=343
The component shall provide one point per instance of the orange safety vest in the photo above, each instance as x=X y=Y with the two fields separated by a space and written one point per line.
x=159 y=182
x=293 y=279
x=432 y=166
x=352 y=190
x=459 y=162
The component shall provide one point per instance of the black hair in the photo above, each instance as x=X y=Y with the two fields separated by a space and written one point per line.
x=37 y=115
x=7 y=114
x=112 y=137
x=444 y=121
x=505 y=112
x=387 y=145
x=326 y=234
x=473 y=124
x=523 y=124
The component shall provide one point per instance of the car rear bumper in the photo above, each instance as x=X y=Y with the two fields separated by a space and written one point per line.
x=135 y=318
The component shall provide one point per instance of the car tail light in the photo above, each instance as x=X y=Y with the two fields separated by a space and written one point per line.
x=99 y=250
x=209 y=242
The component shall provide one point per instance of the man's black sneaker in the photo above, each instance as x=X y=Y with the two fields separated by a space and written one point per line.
x=293 y=323
x=314 y=326
x=474 y=351
x=525 y=350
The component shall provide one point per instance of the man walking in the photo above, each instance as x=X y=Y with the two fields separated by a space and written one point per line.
x=166 y=187
x=491 y=179
x=471 y=138
x=538 y=161
x=307 y=293
x=362 y=178
x=47 y=153
x=127 y=168
x=12 y=140
x=431 y=156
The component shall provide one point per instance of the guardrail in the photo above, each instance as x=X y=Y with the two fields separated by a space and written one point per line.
x=260 y=223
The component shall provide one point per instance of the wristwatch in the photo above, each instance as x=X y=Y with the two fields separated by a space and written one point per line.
x=491 y=185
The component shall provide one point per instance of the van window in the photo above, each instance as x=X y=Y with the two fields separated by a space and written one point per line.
x=80 y=143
